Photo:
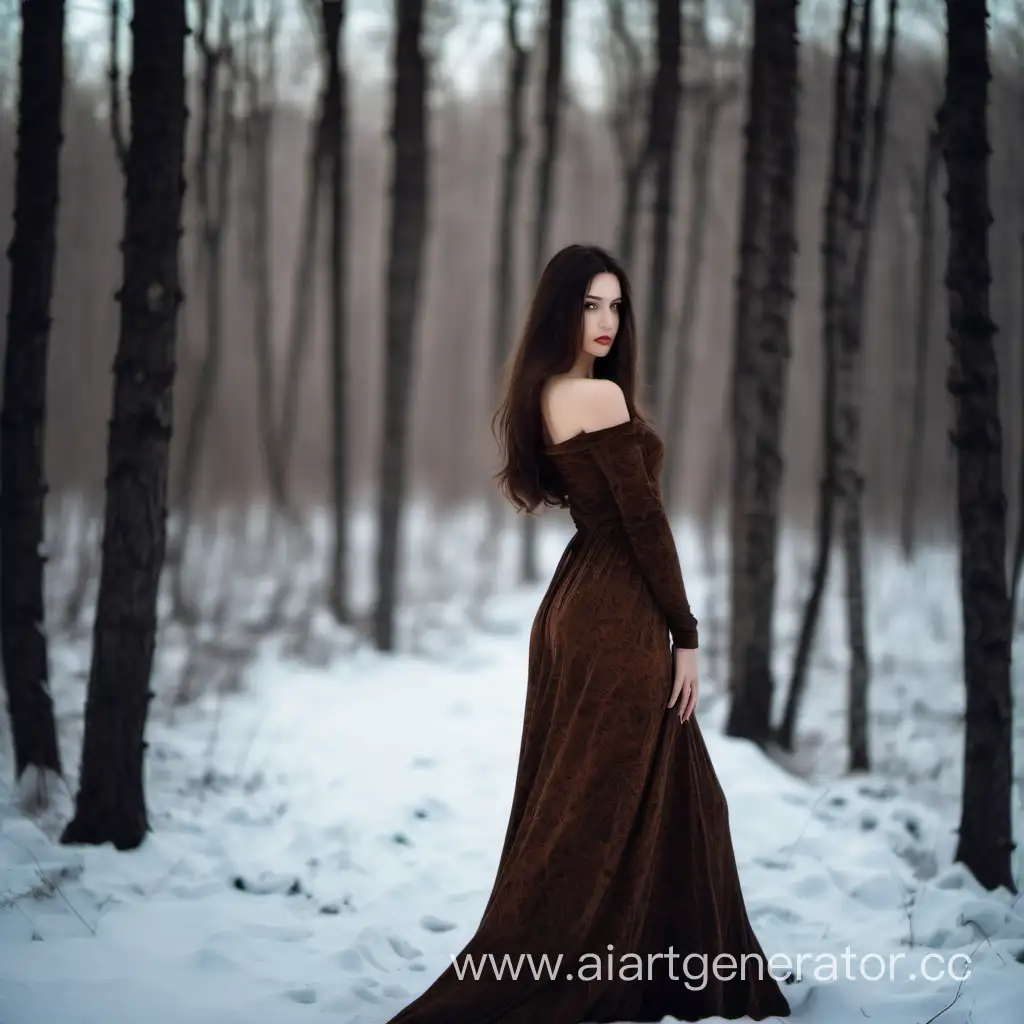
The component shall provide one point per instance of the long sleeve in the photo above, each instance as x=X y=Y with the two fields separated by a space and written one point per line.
x=621 y=461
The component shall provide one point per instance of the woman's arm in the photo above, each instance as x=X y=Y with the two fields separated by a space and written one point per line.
x=621 y=460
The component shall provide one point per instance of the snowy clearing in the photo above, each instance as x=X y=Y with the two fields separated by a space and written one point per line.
x=325 y=838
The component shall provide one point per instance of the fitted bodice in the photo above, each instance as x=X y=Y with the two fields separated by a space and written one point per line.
x=610 y=480
x=588 y=494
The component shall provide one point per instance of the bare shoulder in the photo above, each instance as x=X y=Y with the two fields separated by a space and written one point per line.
x=574 y=405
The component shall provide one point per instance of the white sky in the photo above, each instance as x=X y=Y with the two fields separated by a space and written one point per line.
x=475 y=39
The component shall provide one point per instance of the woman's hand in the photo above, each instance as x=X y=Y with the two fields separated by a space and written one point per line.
x=684 y=688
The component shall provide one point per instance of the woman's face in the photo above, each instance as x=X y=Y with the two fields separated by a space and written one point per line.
x=601 y=307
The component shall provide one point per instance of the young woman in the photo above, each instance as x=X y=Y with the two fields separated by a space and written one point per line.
x=617 y=862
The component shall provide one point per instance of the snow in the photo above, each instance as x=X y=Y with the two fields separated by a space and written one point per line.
x=325 y=833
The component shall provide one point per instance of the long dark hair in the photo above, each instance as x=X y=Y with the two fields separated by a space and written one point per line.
x=549 y=344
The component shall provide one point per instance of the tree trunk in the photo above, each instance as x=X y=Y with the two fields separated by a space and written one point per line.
x=985 y=841
x=551 y=101
x=408 y=231
x=503 y=287
x=851 y=480
x=515 y=147
x=259 y=139
x=303 y=292
x=628 y=109
x=666 y=94
x=922 y=340
x=32 y=254
x=336 y=142
x=835 y=271
x=761 y=358
x=110 y=805
x=677 y=398
x=213 y=208
x=749 y=290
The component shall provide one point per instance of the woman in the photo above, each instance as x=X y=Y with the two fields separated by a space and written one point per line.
x=618 y=857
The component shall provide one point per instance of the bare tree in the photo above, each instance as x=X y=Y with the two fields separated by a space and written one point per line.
x=764 y=292
x=258 y=137
x=213 y=160
x=714 y=98
x=303 y=292
x=110 y=804
x=985 y=841
x=850 y=210
x=511 y=166
x=23 y=487
x=407 y=239
x=551 y=106
x=860 y=231
x=336 y=153
x=503 y=287
x=925 y=204
x=662 y=126
x=630 y=91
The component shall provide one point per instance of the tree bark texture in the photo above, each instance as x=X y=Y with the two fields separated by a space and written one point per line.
x=762 y=346
x=666 y=98
x=32 y=255
x=407 y=240
x=985 y=841
x=110 y=804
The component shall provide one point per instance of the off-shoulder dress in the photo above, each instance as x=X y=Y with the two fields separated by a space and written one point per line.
x=618 y=851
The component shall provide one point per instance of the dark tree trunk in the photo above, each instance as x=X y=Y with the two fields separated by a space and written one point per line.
x=551 y=106
x=110 y=805
x=408 y=232
x=666 y=94
x=835 y=262
x=503 y=287
x=762 y=343
x=515 y=147
x=32 y=254
x=922 y=340
x=629 y=103
x=861 y=231
x=749 y=291
x=985 y=843
x=336 y=146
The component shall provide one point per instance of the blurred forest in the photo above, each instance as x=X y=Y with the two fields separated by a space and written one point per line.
x=368 y=200
x=452 y=451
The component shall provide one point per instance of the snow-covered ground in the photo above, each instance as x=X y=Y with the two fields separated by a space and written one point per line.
x=325 y=836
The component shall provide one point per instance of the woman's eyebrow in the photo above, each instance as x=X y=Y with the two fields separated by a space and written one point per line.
x=600 y=298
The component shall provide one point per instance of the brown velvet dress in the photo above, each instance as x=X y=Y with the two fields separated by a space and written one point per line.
x=618 y=841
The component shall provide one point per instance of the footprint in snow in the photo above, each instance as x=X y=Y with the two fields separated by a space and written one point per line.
x=364 y=990
x=436 y=924
x=404 y=949
x=305 y=994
